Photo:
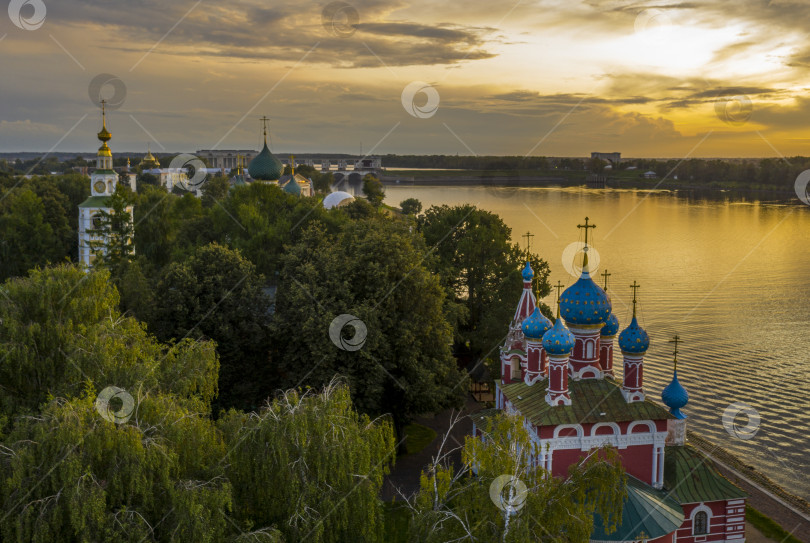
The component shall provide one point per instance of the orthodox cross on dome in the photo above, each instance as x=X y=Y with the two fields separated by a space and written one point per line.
x=586 y=226
x=559 y=286
x=528 y=236
x=264 y=121
x=635 y=286
x=642 y=536
x=605 y=274
x=675 y=340
x=292 y=165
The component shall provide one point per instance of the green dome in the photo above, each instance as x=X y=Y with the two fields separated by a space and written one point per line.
x=292 y=187
x=265 y=167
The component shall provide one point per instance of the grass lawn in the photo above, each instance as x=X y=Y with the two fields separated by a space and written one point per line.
x=767 y=526
x=417 y=437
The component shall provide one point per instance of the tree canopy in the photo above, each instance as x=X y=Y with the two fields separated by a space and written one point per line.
x=371 y=270
x=480 y=267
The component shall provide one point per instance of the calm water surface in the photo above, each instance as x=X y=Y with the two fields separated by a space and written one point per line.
x=731 y=277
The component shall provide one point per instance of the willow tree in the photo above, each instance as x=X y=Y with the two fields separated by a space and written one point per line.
x=500 y=495
x=311 y=466
x=60 y=328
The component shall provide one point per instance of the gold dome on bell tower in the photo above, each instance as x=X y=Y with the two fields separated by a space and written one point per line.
x=104 y=136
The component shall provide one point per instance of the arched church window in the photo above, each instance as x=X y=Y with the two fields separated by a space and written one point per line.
x=700 y=525
x=588 y=349
x=96 y=221
x=515 y=368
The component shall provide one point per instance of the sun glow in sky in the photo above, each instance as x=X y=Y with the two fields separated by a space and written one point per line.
x=542 y=77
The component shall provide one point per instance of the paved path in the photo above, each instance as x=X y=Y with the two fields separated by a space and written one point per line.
x=794 y=524
x=406 y=471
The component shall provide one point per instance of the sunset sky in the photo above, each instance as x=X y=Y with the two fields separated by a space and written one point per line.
x=558 y=78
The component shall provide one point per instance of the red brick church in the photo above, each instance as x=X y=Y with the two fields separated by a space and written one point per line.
x=560 y=378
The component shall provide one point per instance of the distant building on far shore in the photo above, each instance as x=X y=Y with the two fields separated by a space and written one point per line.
x=613 y=158
x=226 y=159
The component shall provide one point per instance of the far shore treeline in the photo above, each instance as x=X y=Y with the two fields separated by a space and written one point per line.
x=758 y=173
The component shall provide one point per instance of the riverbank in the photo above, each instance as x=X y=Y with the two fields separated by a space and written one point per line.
x=533 y=178
x=789 y=511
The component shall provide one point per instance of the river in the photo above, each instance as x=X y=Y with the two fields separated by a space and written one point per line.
x=730 y=275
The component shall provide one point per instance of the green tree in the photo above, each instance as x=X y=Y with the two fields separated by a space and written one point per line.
x=71 y=475
x=373 y=189
x=411 y=206
x=60 y=328
x=374 y=270
x=311 y=466
x=112 y=238
x=215 y=189
x=596 y=165
x=216 y=293
x=461 y=505
x=27 y=239
x=147 y=179
x=323 y=182
x=259 y=219
x=480 y=268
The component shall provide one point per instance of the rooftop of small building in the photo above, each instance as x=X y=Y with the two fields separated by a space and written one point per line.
x=646 y=510
x=592 y=401
x=690 y=477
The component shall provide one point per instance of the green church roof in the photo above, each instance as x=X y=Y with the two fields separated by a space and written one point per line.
x=647 y=514
x=95 y=201
x=589 y=399
x=292 y=187
x=265 y=166
x=692 y=478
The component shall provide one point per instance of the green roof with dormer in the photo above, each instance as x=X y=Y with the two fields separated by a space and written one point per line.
x=590 y=398
x=265 y=166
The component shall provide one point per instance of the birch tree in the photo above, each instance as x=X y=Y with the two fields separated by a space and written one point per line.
x=498 y=494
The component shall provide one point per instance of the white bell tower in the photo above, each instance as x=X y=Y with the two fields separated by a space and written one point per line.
x=102 y=185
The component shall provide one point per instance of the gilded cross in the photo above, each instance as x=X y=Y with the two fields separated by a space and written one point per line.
x=586 y=226
x=559 y=286
x=635 y=286
x=605 y=274
x=528 y=237
x=675 y=340
x=264 y=121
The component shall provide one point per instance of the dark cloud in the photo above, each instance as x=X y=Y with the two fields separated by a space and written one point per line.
x=285 y=31
x=566 y=99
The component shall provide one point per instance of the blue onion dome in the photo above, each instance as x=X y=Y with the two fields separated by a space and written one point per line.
x=559 y=340
x=528 y=273
x=634 y=339
x=265 y=166
x=675 y=396
x=585 y=302
x=611 y=327
x=536 y=325
x=292 y=187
